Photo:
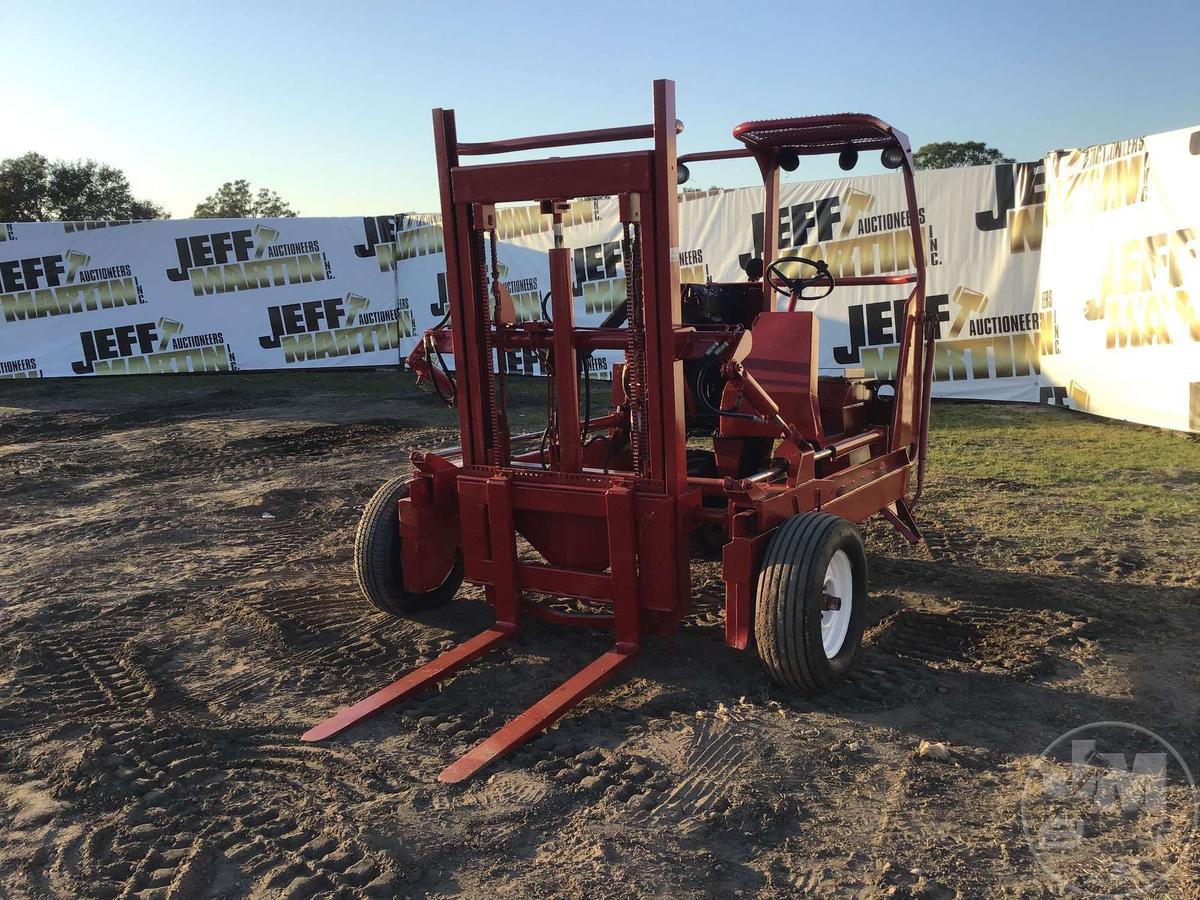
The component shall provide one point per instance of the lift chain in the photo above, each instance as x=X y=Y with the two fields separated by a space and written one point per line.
x=489 y=356
x=500 y=409
x=635 y=352
x=550 y=435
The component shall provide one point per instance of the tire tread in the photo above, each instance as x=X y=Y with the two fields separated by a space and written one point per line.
x=783 y=615
x=376 y=557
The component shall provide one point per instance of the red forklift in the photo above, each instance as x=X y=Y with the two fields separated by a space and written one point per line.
x=613 y=505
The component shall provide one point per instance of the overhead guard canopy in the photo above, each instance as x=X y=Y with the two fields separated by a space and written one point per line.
x=820 y=134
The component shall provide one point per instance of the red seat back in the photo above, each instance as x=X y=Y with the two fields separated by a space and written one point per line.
x=784 y=360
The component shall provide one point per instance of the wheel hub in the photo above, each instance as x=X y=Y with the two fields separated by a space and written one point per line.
x=838 y=603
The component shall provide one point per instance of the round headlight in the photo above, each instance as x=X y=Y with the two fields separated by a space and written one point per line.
x=892 y=158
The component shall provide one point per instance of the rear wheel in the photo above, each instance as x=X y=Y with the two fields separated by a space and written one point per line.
x=377 y=557
x=811 y=602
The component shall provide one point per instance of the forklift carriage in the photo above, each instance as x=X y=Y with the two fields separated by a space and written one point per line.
x=615 y=504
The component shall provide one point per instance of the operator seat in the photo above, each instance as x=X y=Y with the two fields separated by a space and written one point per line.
x=784 y=360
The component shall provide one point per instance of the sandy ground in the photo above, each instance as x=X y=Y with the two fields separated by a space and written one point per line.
x=179 y=605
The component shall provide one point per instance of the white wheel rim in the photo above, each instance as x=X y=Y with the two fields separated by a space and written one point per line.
x=835 y=623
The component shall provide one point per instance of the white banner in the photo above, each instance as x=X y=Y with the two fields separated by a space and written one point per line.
x=1103 y=318
x=1121 y=274
x=978 y=289
x=982 y=278
x=195 y=295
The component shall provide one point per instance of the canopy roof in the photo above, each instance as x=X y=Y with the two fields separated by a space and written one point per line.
x=819 y=134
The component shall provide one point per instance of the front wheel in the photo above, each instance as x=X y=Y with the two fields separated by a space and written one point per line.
x=377 y=557
x=811 y=602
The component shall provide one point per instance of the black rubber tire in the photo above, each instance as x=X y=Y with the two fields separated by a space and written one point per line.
x=377 y=557
x=789 y=600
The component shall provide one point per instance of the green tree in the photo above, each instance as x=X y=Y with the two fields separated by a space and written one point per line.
x=949 y=154
x=35 y=189
x=235 y=200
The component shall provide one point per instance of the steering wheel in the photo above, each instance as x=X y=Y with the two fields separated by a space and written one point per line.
x=795 y=287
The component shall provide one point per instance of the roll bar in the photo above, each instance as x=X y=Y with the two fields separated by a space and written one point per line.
x=710 y=155
x=562 y=139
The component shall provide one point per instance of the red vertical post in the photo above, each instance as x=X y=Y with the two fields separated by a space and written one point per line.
x=445 y=141
x=664 y=315
x=462 y=290
x=663 y=309
x=622 y=554
x=769 y=168
x=910 y=399
x=566 y=376
x=505 y=593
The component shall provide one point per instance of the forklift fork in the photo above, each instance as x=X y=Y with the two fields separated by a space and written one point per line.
x=506 y=597
x=519 y=730
x=418 y=679
x=539 y=716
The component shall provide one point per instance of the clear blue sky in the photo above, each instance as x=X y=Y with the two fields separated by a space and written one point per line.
x=328 y=102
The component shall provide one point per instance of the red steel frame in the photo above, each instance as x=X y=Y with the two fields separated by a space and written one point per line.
x=618 y=535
